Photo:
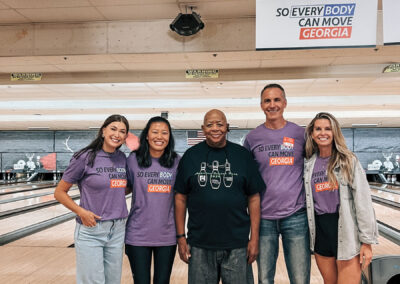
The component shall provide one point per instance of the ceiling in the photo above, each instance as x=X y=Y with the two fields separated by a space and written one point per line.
x=100 y=57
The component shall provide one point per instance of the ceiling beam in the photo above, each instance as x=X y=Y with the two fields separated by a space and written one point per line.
x=123 y=37
x=336 y=71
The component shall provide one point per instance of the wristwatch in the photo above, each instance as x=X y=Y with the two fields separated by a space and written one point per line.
x=180 y=236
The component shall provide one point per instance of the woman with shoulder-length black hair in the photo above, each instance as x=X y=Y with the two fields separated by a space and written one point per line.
x=150 y=228
x=99 y=169
x=143 y=155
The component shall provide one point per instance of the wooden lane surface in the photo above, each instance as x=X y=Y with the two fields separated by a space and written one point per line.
x=387 y=186
x=34 y=200
x=60 y=236
x=26 y=193
x=386 y=195
x=13 y=188
x=45 y=258
x=23 y=220
x=38 y=264
x=387 y=215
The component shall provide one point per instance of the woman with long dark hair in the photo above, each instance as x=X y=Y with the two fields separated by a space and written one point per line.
x=150 y=228
x=341 y=217
x=100 y=172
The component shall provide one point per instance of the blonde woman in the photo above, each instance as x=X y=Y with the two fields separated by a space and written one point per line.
x=341 y=218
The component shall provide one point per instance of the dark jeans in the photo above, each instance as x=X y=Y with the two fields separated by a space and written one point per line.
x=210 y=266
x=296 y=248
x=140 y=261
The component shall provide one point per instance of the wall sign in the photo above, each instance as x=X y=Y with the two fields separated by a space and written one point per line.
x=392 y=68
x=201 y=73
x=288 y=24
x=391 y=31
x=26 y=76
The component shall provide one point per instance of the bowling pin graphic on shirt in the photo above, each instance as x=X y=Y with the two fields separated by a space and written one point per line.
x=202 y=177
x=228 y=176
x=215 y=178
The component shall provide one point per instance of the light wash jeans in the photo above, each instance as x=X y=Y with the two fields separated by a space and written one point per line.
x=296 y=248
x=209 y=266
x=99 y=252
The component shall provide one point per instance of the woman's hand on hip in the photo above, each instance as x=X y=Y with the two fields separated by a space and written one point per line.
x=88 y=218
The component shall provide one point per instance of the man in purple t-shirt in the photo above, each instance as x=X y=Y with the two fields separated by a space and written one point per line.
x=278 y=147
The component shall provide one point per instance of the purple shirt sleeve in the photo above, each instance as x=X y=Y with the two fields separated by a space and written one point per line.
x=76 y=169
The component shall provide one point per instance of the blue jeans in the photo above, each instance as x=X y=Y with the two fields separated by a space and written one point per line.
x=296 y=248
x=210 y=266
x=99 y=252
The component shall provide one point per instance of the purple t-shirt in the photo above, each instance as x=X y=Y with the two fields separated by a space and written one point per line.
x=279 y=154
x=102 y=187
x=151 y=220
x=326 y=196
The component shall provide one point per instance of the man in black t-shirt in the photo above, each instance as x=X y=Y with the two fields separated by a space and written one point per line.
x=219 y=183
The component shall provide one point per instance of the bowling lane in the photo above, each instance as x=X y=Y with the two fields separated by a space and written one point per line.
x=12 y=181
x=25 y=194
x=388 y=187
x=29 y=186
x=34 y=200
x=394 y=197
x=47 y=253
x=58 y=236
x=20 y=221
x=387 y=215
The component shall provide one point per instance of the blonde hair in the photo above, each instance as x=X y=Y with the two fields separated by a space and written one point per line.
x=341 y=156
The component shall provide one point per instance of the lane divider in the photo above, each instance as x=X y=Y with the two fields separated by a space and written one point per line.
x=19 y=198
x=30 y=208
x=35 y=228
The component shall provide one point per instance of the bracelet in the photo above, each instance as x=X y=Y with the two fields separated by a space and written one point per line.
x=180 y=236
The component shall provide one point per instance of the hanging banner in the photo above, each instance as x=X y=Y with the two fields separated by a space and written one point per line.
x=291 y=24
x=391 y=31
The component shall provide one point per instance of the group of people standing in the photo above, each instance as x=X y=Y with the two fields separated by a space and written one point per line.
x=304 y=186
x=104 y=176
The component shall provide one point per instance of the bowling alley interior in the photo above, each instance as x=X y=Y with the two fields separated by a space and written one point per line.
x=65 y=66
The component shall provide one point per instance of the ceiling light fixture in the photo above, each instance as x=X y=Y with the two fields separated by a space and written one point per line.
x=187 y=24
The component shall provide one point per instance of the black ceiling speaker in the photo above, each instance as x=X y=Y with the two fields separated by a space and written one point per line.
x=187 y=24
x=164 y=114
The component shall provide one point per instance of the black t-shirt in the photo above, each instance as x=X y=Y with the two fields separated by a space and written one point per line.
x=217 y=182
